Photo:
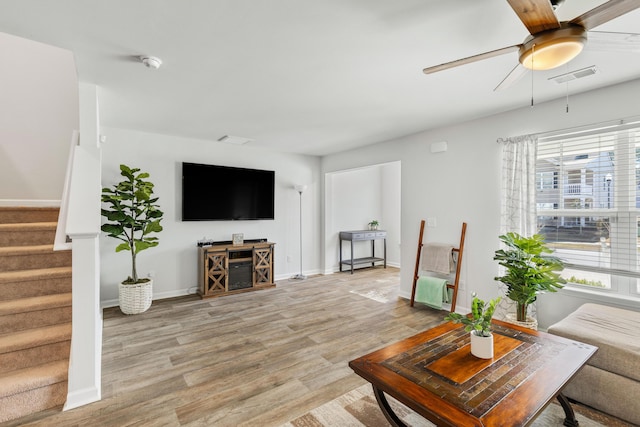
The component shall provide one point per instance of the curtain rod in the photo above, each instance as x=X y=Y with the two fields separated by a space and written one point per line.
x=518 y=138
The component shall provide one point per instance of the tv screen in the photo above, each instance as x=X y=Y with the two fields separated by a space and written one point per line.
x=222 y=193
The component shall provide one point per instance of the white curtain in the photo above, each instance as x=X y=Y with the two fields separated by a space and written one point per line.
x=518 y=199
x=518 y=204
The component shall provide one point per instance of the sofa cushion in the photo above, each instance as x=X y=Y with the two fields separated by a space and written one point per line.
x=615 y=331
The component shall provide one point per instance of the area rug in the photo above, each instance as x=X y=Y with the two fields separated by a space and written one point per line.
x=358 y=408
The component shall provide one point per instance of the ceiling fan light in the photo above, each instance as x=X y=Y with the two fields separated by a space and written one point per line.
x=552 y=48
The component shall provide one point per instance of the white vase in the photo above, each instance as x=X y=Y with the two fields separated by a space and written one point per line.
x=135 y=299
x=481 y=347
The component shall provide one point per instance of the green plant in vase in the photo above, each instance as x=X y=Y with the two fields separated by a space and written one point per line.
x=530 y=271
x=132 y=215
x=481 y=314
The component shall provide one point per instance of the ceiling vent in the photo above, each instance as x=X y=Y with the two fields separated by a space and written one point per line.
x=574 y=75
x=236 y=140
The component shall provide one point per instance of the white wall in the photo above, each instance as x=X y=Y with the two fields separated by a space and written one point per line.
x=463 y=183
x=391 y=213
x=38 y=113
x=356 y=197
x=174 y=260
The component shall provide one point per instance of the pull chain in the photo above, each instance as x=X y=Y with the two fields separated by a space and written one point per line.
x=567 y=97
x=533 y=56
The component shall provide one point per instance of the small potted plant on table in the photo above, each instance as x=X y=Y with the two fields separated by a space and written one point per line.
x=373 y=225
x=478 y=324
x=132 y=215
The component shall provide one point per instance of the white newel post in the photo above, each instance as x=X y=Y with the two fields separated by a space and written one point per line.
x=83 y=227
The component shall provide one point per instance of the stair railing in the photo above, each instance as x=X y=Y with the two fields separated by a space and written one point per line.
x=61 y=241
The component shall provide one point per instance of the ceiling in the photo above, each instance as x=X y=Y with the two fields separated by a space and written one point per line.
x=313 y=77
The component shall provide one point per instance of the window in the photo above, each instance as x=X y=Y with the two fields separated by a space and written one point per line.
x=588 y=202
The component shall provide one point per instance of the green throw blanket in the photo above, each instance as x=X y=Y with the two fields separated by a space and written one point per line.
x=431 y=291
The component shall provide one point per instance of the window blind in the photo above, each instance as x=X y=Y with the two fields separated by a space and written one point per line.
x=587 y=201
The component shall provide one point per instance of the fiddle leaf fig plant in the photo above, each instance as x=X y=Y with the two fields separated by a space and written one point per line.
x=530 y=271
x=480 y=319
x=132 y=215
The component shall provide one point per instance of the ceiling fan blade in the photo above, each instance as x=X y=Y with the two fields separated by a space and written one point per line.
x=516 y=74
x=536 y=15
x=614 y=42
x=470 y=59
x=605 y=13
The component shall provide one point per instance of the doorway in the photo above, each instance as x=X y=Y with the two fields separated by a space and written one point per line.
x=355 y=197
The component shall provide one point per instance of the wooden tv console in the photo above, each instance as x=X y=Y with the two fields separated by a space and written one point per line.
x=225 y=269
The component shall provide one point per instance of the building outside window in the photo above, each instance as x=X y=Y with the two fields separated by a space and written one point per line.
x=588 y=202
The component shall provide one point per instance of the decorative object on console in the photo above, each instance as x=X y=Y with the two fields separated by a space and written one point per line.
x=132 y=215
x=238 y=239
x=373 y=225
x=529 y=272
x=478 y=324
x=300 y=188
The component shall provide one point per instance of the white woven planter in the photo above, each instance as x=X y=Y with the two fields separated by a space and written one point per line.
x=135 y=299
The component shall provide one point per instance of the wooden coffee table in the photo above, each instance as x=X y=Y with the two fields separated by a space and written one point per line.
x=435 y=374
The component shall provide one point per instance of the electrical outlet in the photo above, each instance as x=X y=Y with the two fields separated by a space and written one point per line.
x=288 y=258
x=431 y=222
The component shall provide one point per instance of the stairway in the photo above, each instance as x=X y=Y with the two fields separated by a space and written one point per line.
x=35 y=313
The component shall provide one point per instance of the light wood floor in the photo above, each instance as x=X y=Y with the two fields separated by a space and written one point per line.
x=256 y=359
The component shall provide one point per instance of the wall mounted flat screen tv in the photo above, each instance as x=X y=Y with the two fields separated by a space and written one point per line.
x=222 y=193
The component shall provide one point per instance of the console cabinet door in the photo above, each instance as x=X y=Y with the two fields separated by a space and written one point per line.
x=216 y=267
x=262 y=263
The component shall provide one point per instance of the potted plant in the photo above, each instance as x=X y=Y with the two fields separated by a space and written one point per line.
x=373 y=225
x=132 y=215
x=478 y=324
x=530 y=271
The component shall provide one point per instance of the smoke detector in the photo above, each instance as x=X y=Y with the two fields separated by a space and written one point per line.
x=151 y=62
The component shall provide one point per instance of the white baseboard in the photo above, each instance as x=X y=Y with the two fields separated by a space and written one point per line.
x=82 y=397
x=30 y=203
x=156 y=296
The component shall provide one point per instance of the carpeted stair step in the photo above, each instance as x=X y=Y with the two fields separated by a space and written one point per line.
x=30 y=390
x=30 y=347
x=28 y=257
x=33 y=283
x=35 y=313
x=27 y=234
x=13 y=214
x=27 y=313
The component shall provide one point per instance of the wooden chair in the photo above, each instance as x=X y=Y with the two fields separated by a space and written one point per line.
x=456 y=281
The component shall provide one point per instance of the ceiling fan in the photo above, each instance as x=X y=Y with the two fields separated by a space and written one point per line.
x=551 y=43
